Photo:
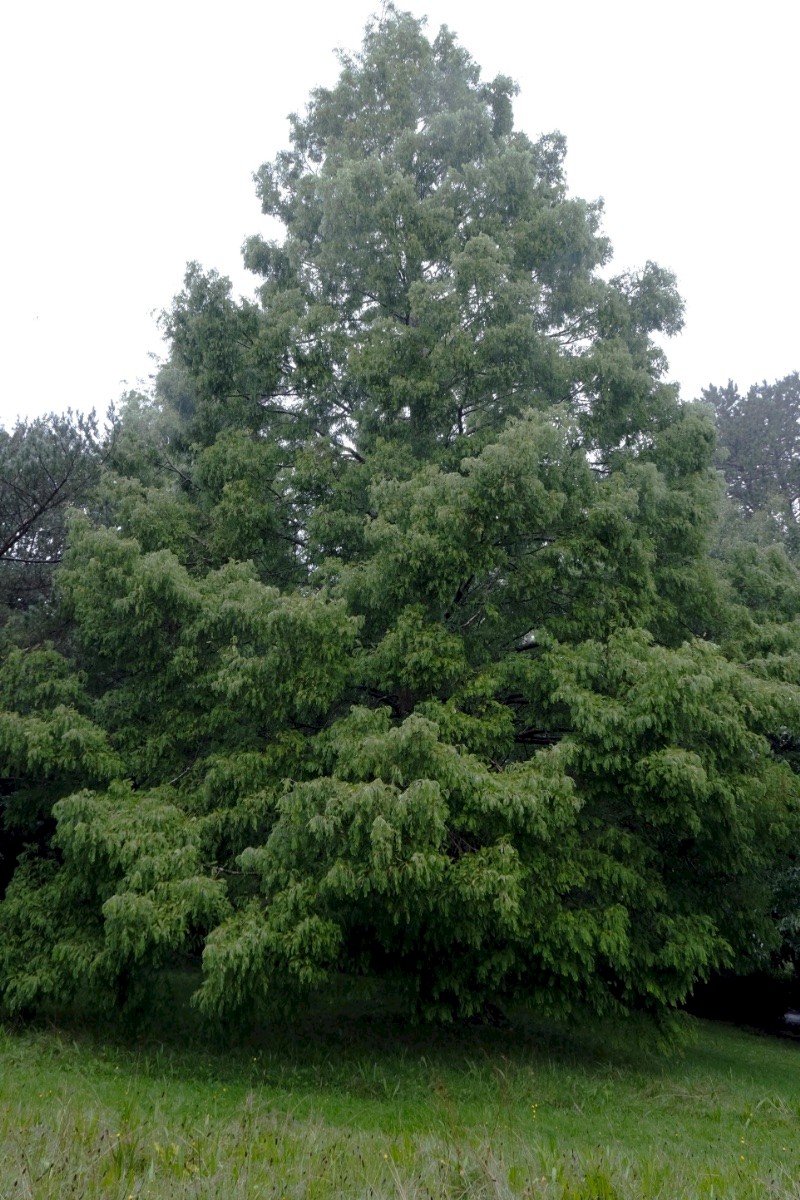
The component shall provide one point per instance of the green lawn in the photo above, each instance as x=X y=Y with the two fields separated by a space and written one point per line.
x=353 y=1105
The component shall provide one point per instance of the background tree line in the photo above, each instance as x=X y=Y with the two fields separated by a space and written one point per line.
x=408 y=628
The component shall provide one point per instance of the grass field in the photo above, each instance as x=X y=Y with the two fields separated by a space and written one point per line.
x=353 y=1104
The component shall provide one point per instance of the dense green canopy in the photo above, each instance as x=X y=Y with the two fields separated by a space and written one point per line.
x=391 y=642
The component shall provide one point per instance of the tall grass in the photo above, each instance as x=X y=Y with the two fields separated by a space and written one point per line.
x=355 y=1104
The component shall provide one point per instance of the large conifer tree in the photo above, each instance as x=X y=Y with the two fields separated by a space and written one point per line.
x=399 y=623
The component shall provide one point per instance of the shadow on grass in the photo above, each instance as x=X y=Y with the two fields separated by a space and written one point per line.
x=357 y=1022
x=349 y=1098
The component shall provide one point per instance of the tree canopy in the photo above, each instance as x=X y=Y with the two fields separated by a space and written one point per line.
x=759 y=435
x=47 y=465
x=393 y=630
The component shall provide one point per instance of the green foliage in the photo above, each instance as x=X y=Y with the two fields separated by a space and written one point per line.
x=390 y=622
x=758 y=436
x=131 y=889
x=46 y=465
x=756 y=558
x=49 y=746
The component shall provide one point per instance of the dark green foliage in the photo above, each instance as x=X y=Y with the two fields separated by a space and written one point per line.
x=46 y=465
x=756 y=557
x=49 y=746
x=759 y=438
x=392 y=612
x=48 y=743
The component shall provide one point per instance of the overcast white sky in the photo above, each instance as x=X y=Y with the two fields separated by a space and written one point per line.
x=130 y=133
